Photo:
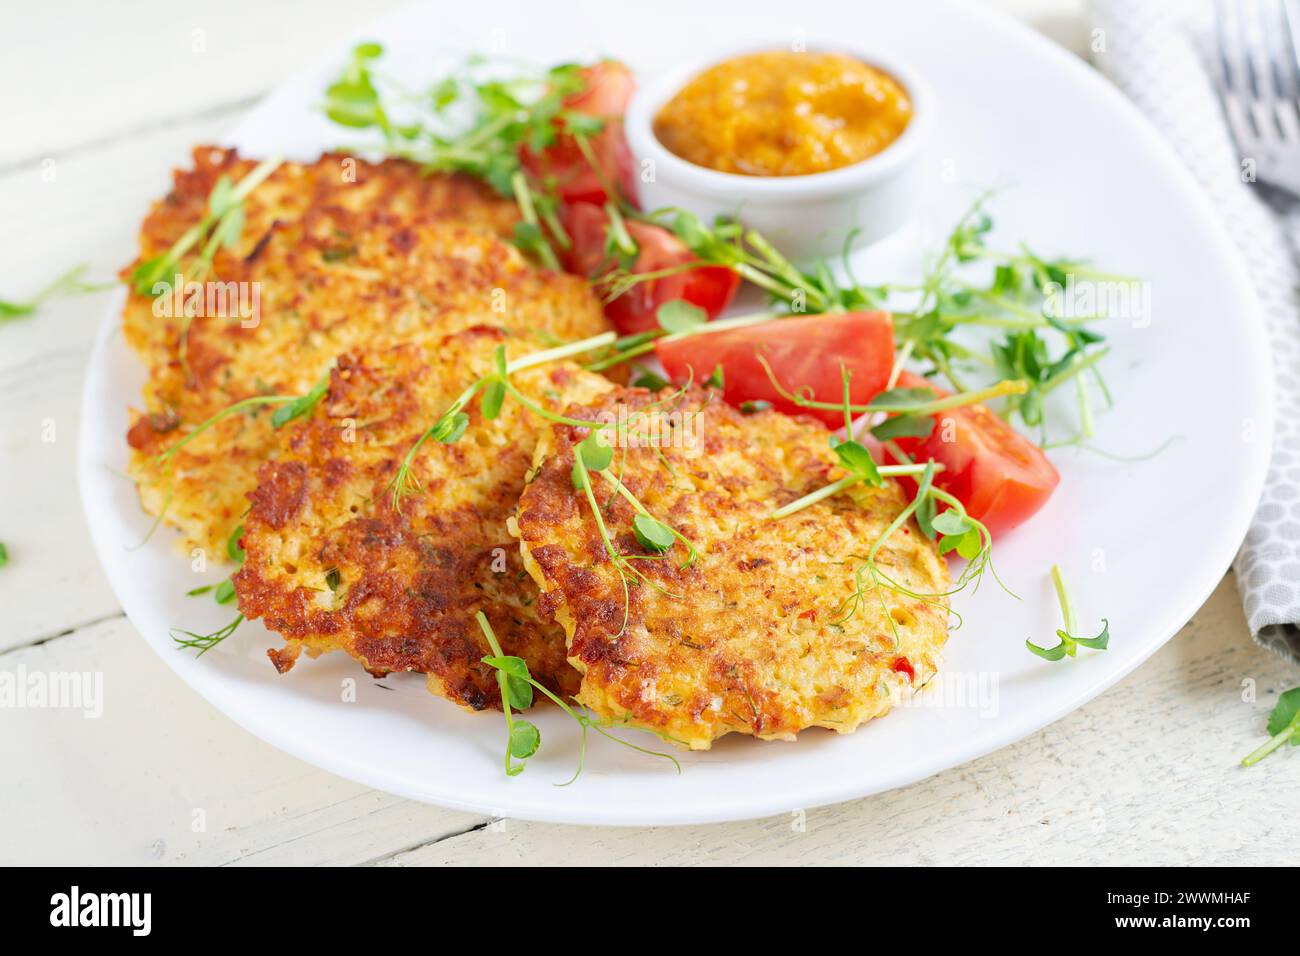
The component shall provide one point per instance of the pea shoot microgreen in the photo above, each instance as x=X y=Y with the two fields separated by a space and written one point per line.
x=677 y=320
x=233 y=550
x=221 y=226
x=301 y=406
x=1069 y=641
x=290 y=408
x=1016 y=300
x=953 y=528
x=298 y=405
x=223 y=593
x=853 y=456
x=652 y=534
x=4 y=554
x=451 y=425
x=188 y=640
x=593 y=455
x=473 y=121
x=70 y=283
x=1283 y=727
x=522 y=737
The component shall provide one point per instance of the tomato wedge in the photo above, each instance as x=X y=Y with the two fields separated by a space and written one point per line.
x=709 y=287
x=608 y=90
x=805 y=355
x=609 y=87
x=999 y=475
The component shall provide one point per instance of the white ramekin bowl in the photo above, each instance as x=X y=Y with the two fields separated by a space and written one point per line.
x=806 y=217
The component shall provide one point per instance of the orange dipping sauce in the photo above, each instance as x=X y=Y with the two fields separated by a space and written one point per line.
x=781 y=113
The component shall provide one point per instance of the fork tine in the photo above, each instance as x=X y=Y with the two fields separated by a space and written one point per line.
x=1235 y=86
x=1229 y=51
x=1288 y=64
x=1252 y=22
x=1275 y=113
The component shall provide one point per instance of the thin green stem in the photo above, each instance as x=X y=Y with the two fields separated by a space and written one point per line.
x=1274 y=742
x=1063 y=597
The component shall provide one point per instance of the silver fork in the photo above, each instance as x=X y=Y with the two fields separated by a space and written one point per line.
x=1259 y=82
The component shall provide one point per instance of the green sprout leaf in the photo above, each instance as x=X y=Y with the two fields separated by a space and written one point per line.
x=855 y=457
x=650 y=381
x=450 y=428
x=188 y=640
x=904 y=426
x=902 y=398
x=494 y=397
x=680 y=316
x=302 y=406
x=224 y=592
x=233 y=549
x=596 y=455
x=518 y=690
x=522 y=738
x=652 y=534
x=1048 y=653
x=70 y=283
x=1283 y=727
x=525 y=738
x=1069 y=641
x=1099 y=642
x=1284 y=713
x=950 y=522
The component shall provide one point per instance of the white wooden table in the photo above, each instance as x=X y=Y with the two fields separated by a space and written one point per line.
x=1144 y=774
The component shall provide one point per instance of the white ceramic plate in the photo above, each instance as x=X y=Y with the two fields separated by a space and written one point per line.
x=1144 y=542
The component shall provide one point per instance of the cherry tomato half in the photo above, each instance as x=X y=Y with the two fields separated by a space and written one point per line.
x=805 y=355
x=709 y=287
x=609 y=87
x=999 y=475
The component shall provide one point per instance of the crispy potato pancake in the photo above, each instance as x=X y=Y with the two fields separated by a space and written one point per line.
x=335 y=181
x=330 y=265
x=330 y=565
x=762 y=634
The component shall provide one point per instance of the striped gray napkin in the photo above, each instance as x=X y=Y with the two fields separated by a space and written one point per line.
x=1157 y=52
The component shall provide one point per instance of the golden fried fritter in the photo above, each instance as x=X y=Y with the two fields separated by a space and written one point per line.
x=334 y=182
x=762 y=634
x=331 y=565
x=332 y=265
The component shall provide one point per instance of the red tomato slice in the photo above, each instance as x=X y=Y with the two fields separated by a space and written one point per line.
x=804 y=353
x=709 y=287
x=999 y=475
x=609 y=87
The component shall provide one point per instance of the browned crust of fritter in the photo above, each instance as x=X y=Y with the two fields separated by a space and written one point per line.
x=331 y=565
x=752 y=637
x=343 y=257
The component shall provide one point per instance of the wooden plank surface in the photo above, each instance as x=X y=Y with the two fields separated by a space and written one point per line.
x=1144 y=774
